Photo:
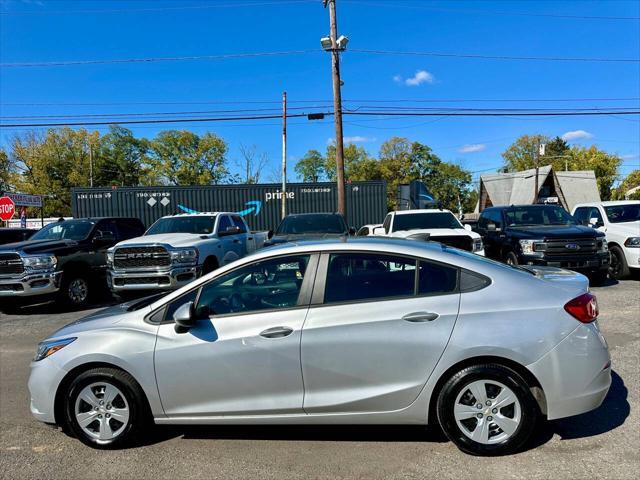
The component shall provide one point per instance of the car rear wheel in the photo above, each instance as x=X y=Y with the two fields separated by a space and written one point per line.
x=487 y=410
x=105 y=408
x=618 y=268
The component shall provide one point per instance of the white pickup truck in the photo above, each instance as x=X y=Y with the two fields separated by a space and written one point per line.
x=441 y=226
x=177 y=249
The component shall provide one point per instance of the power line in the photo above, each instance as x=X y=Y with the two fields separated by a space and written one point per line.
x=461 y=113
x=227 y=56
x=496 y=57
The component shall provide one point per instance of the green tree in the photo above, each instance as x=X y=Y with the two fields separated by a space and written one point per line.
x=7 y=171
x=311 y=167
x=604 y=165
x=356 y=162
x=181 y=157
x=630 y=181
x=122 y=159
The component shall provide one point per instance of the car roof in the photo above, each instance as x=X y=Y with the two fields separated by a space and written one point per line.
x=325 y=214
x=610 y=203
x=198 y=214
x=423 y=210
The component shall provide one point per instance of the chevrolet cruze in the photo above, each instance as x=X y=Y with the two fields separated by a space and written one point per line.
x=363 y=331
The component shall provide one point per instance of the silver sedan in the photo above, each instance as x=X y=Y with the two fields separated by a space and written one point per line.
x=364 y=331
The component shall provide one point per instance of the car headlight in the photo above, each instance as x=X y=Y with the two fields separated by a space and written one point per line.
x=602 y=245
x=40 y=262
x=186 y=256
x=477 y=244
x=532 y=247
x=110 y=258
x=49 y=347
x=632 y=242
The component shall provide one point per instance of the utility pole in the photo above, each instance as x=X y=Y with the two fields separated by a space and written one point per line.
x=284 y=154
x=536 y=155
x=90 y=165
x=337 y=104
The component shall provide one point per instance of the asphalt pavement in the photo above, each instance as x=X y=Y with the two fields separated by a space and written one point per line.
x=604 y=443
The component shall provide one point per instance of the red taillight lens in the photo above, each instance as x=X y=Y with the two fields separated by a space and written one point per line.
x=584 y=308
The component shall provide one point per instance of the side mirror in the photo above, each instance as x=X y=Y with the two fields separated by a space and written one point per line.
x=104 y=237
x=184 y=318
x=467 y=227
x=270 y=234
x=379 y=231
x=594 y=222
x=352 y=231
x=231 y=230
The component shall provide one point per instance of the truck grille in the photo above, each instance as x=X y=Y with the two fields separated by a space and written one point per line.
x=576 y=246
x=461 y=242
x=10 y=264
x=141 y=257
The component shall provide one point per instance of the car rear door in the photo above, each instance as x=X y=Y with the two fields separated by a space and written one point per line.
x=377 y=325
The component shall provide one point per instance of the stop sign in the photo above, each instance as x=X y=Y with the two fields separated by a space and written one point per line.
x=7 y=208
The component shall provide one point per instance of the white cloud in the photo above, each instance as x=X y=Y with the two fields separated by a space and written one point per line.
x=576 y=135
x=421 y=76
x=631 y=156
x=471 y=148
x=354 y=139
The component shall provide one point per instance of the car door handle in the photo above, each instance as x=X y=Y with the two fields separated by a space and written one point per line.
x=276 y=332
x=418 y=317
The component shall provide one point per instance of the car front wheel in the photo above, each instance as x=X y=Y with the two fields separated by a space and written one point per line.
x=105 y=408
x=618 y=268
x=487 y=410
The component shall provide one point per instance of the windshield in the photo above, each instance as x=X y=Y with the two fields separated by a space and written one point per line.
x=538 y=215
x=301 y=224
x=623 y=213
x=415 y=221
x=198 y=225
x=67 y=230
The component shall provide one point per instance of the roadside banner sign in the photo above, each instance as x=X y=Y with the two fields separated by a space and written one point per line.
x=25 y=200
x=7 y=208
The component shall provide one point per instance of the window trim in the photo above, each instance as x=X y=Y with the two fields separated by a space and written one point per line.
x=304 y=296
x=317 y=297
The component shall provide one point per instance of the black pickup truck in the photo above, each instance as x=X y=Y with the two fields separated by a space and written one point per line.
x=309 y=226
x=543 y=235
x=66 y=259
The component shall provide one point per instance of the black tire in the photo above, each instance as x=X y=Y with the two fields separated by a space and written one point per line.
x=138 y=411
x=210 y=264
x=76 y=289
x=458 y=385
x=511 y=258
x=599 y=278
x=618 y=267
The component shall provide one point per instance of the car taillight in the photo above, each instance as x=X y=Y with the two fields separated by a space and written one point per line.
x=583 y=308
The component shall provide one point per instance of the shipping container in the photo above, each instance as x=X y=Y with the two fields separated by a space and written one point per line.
x=259 y=204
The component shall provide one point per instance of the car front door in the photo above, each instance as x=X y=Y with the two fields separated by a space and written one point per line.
x=372 y=336
x=231 y=243
x=243 y=356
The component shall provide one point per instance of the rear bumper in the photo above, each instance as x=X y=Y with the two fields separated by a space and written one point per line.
x=30 y=285
x=575 y=375
x=122 y=281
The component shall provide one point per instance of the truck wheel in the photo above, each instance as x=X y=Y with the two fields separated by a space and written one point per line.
x=618 y=268
x=75 y=290
x=510 y=258
x=210 y=264
x=487 y=409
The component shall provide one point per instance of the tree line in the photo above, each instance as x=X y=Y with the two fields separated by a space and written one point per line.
x=55 y=161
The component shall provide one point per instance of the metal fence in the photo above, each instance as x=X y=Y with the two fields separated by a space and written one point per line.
x=259 y=204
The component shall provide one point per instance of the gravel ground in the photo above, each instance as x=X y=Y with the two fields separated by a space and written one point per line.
x=600 y=444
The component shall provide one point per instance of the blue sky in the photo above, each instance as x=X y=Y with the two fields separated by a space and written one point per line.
x=52 y=30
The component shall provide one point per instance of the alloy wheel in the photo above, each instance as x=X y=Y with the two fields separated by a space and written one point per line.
x=487 y=412
x=78 y=290
x=102 y=411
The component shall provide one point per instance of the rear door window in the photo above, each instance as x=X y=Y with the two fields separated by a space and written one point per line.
x=368 y=276
x=437 y=279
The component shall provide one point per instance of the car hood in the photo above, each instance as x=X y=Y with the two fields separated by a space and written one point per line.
x=554 y=231
x=631 y=229
x=173 y=239
x=39 y=246
x=565 y=279
x=437 y=232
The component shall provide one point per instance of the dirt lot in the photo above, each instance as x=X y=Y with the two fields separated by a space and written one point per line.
x=601 y=444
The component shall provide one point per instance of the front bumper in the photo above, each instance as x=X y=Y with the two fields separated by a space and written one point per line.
x=29 y=285
x=632 y=256
x=591 y=264
x=575 y=375
x=127 y=281
x=43 y=383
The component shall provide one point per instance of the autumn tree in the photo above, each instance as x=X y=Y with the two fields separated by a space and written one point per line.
x=630 y=181
x=7 y=171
